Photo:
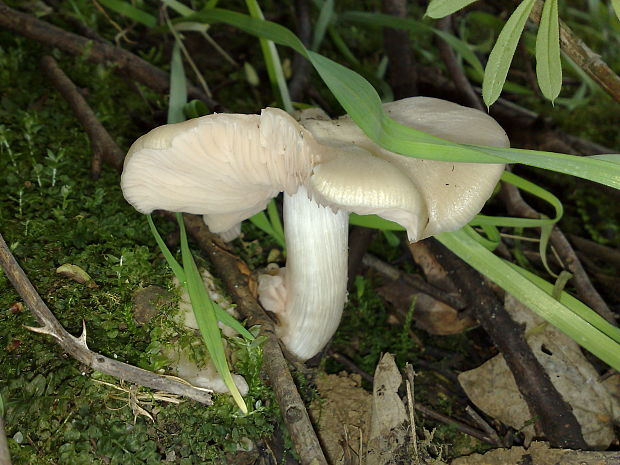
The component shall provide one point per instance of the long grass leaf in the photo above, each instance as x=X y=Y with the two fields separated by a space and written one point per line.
x=205 y=317
x=325 y=17
x=176 y=268
x=362 y=103
x=440 y=8
x=501 y=56
x=583 y=329
x=548 y=64
x=178 y=87
x=272 y=62
x=616 y=5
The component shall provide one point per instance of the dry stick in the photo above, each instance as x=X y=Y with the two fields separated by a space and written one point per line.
x=454 y=69
x=99 y=52
x=596 y=251
x=76 y=346
x=553 y=415
x=387 y=270
x=585 y=58
x=102 y=144
x=236 y=275
x=402 y=74
x=518 y=207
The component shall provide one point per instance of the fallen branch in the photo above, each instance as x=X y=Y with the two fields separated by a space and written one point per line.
x=446 y=52
x=553 y=415
x=99 y=52
x=104 y=148
x=236 y=276
x=585 y=58
x=76 y=346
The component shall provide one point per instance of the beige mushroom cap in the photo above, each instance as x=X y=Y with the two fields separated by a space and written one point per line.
x=226 y=166
x=453 y=193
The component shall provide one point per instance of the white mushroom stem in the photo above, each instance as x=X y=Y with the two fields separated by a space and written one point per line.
x=315 y=277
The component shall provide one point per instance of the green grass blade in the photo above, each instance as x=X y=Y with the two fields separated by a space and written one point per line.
x=178 y=87
x=501 y=56
x=131 y=12
x=177 y=6
x=616 y=5
x=362 y=103
x=440 y=8
x=221 y=314
x=274 y=219
x=172 y=263
x=205 y=317
x=272 y=62
x=579 y=322
x=548 y=64
x=261 y=222
x=325 y=17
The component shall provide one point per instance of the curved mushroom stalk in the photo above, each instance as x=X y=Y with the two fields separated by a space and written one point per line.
x=309 y=294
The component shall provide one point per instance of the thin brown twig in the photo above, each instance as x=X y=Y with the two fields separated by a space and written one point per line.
x=237 y=277
x=454 y=69
x=585 y=58
x=99 y=52
x=76 y=346
x=517 y=206
x=102 y=144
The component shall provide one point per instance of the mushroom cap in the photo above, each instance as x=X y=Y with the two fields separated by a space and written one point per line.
x=452 y=192
x=225 y=166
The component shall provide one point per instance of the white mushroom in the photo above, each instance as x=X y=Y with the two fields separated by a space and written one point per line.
x=227 y=167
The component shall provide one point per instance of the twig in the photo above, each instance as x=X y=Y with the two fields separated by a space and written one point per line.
x=76 y=346
x=5 y=457
x=585 y=58
x=483 y=424
x=454 y=69
x=596 y=251
x=452 y=299
x=236 y=276
x=402 y=73
x=554 y=416
x=102 y=144
x=517 y=206
x=411 y=407
x=98 y=52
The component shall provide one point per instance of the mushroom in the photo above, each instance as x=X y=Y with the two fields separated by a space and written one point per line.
x=227 y=167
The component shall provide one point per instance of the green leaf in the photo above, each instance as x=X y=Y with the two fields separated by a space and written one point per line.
x=440 y=8
x=325 y=17
x=131 y=12
x=205 y=317
x=616 y=5
x=362 y=103
x=178 y=87
x=548 y=64
x=578 y=321
x=503 y=51
x=272 y=62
